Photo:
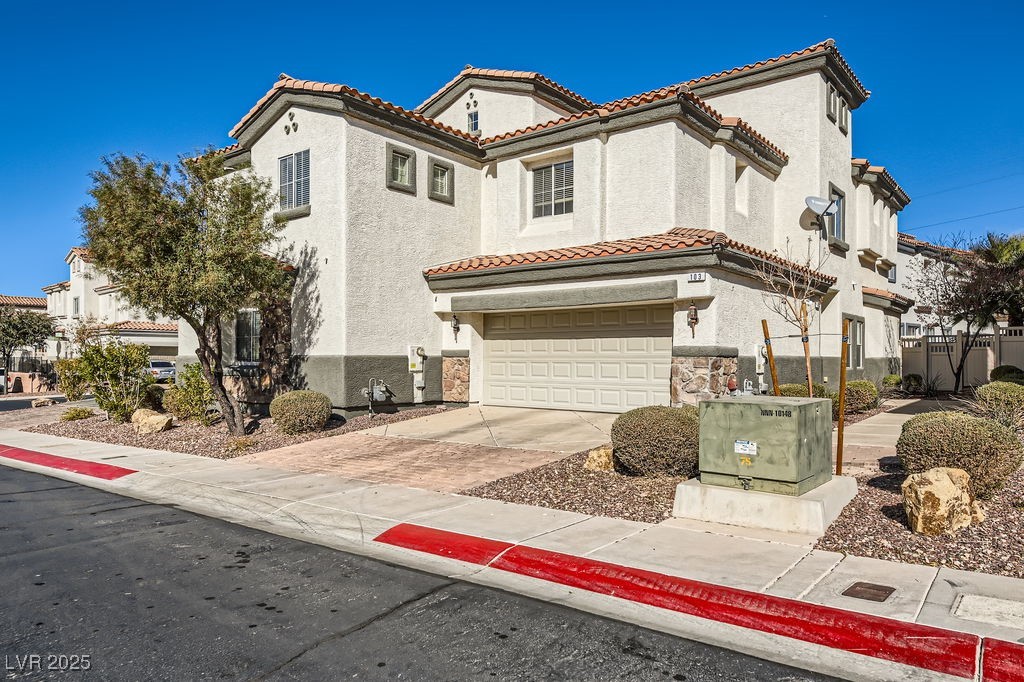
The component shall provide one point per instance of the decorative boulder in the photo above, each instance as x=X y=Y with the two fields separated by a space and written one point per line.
x=938 y=501
x=43 y=402
x=155 y=424
x=142 y=414
x=600 y=459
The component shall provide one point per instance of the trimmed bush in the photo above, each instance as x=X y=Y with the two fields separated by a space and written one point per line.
x=658 y=440
x=800 y=390
x=861 y=396
x=73 y=414
x=913 y=383
x=1000 y=401
x=1002 y=371
x=70 y=379
x=985 y=449
x=190 y=398
x=300 y=411
x=892 y=381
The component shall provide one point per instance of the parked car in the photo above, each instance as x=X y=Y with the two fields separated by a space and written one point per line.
x=163 y=370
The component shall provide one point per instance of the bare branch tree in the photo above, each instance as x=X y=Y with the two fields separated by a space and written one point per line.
x=792 y=288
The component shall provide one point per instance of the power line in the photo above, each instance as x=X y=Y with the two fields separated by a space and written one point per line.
x=970 y=184
x=958 y=220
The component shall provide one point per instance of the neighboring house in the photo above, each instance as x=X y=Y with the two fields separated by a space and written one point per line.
x=89 y=297
x=25 y=359
x=607 y=227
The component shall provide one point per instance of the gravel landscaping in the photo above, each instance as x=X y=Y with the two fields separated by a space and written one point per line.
x=566 y=485
x=875 y=525
x=214 y=441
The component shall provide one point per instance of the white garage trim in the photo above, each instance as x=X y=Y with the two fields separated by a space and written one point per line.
x=592 y=359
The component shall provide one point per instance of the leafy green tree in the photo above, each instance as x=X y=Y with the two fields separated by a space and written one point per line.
x=193 y=242
x=22 y=329
x=1005 y=255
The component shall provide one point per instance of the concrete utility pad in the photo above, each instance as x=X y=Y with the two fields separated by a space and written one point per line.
x=509 y=427
x=428 y=464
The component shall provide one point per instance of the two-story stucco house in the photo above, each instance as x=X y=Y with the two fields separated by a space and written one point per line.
x=544 y=250
x=89 y=297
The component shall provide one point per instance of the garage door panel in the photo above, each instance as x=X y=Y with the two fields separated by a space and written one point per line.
x=607 y=360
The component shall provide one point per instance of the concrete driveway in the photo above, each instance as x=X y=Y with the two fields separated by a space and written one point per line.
x=508 y=427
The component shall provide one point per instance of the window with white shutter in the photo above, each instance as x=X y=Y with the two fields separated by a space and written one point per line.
x=552 y=189
x=294 y=180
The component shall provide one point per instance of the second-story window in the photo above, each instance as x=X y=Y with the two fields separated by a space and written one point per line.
x=473 y=121
x=442 y=180
x=294 y=170
x=552 y=189
x=892 y=275
x=247 y=336
x=837 y=222
x=75 y=308
x=400 y=168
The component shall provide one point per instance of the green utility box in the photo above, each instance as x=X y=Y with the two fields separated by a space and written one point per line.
x=766 y=443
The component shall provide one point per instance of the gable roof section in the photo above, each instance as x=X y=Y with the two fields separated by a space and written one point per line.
x=542 y=86
x=57 y=287
x=824 y=55
x=79 y=251
x=23 y=301
x=676 y=240
x=881 y=181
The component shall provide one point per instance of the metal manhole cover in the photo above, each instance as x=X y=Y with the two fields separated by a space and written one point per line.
x=869 y=591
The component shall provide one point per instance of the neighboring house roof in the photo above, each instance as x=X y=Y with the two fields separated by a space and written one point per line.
x=675 y=240
x=470 y=71
x=23 y=301
x=921 y=246
x=143 y=326
x=56 y=287
x=81 y=252
x=880 y=179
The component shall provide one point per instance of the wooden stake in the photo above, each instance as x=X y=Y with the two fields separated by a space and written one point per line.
x=842 y=395
x=771 y=356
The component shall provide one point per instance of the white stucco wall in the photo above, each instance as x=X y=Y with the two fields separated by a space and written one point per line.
x=500 y=111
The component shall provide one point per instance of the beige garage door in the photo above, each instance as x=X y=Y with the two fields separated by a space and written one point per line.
x=598 y=360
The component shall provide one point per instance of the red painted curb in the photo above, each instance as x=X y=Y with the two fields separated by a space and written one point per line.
x=922 y=646
x=107 y=472
x=1002 y=661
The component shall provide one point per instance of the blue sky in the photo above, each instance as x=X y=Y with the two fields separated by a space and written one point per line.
x=87 y=79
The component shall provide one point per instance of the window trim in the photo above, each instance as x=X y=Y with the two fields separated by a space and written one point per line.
x=835 y=239
x=552 y=203
x=292 y=202
x=447 y=197
x=391 y=150
x=844 y=116
x=858 y=331
x=254 y=343
x=831 y=103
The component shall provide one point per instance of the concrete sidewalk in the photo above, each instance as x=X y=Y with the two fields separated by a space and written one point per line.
x=453 y=533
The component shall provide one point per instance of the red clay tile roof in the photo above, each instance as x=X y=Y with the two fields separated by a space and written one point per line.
x=81 y=252
x=23 y=301
x=824 y=46
x=143 y=326
x=677 y=239
x=287 y=83
x=890 y=295
x=58 y=285
x=469 y=70
x=865 y=166
x=913 y=241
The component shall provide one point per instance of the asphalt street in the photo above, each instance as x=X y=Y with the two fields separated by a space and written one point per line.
x=140 y=591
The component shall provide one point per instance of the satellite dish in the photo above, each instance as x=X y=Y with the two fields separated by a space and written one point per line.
x=822 y=207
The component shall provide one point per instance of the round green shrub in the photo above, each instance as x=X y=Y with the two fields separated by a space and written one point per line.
x=986 y=450
x=800 y=390
x=658 y=440
x=1000 y=401
x=892 y=380
x=300 y=411
x=191 y=397
x=75 y=413
x=1002 y=371
x=861 y=396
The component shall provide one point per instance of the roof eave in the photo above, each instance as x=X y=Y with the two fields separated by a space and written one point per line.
x=552 y=95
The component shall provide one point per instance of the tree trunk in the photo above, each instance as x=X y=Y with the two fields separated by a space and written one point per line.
x=804 y=331
x=210 y=359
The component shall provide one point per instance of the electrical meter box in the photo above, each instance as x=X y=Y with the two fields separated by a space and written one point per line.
x=766 y=443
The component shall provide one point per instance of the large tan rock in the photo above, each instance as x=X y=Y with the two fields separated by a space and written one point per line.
x=600 y=459
x=938 y=501
x=142 y=414
x=155 y=424
x=43 y=402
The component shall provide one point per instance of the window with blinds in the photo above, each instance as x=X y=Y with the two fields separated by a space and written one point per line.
x=247 y=336
x=552 y=189
x=294 y=177
x=400 y=168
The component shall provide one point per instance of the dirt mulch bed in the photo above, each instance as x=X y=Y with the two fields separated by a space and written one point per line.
x=566 y=485
x=193 y=438
x=874 y=525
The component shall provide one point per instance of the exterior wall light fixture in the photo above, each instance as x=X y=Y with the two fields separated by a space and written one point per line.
x=692 y=318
